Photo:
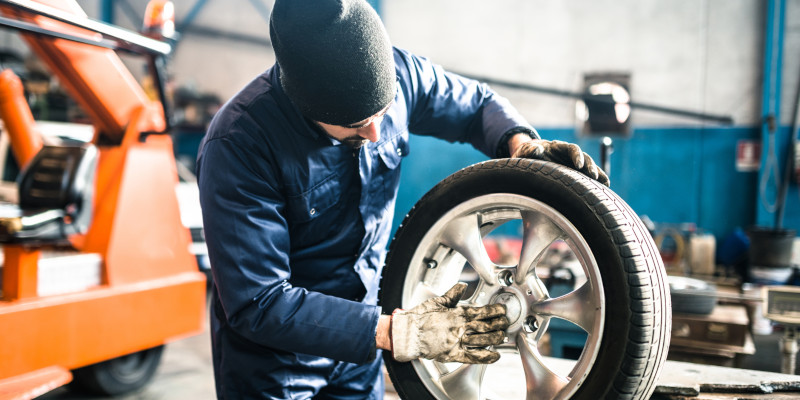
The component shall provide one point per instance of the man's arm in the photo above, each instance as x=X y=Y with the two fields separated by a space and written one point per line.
x=382 y=338
x=248 y=243
x=454 y=108
x=517 y=140
x=568 y=154
x=458 y=109
x=440 y=329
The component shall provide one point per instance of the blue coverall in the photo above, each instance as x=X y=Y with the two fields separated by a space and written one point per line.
x=297 y=227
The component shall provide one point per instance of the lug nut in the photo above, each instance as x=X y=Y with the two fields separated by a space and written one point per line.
x=531 y=324
x=506 y=278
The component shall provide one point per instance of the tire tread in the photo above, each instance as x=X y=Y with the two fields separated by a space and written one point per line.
x=649 y=313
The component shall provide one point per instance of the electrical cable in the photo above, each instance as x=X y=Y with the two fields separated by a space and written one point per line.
x=791 y=160
x=680 y=248
x=773 y=58
x=770 y=167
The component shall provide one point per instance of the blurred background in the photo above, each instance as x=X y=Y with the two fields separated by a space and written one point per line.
x=690 y=106
x=694 y=73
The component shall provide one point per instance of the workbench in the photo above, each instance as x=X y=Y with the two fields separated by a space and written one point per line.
x=688 y=381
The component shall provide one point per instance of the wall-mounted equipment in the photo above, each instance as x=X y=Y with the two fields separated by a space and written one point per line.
x=604 y=107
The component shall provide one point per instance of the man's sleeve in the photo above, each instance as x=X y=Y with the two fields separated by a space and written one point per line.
x=454 y=108
x=248 y=244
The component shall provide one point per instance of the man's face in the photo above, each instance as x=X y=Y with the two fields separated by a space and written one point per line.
x=356 y=135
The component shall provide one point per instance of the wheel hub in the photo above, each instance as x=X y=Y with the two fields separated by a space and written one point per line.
x=513 y=306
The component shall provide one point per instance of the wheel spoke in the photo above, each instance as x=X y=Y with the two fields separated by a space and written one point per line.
x=464 y=382
x=541 y=381
x=454 y=246
x=420 y=293
x=544 y=325
x=537 y=235
x=463 y=235
x=577 y=307
x=446 y=274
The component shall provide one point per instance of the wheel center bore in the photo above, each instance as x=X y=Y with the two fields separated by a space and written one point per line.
x=513 y=306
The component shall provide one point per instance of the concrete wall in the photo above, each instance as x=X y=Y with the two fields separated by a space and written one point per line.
x=697 y=55
x=701 y=55
x=203 y=62
x=697 y=184
x=704 y=56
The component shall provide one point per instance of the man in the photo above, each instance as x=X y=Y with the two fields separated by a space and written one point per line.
x=298 y=177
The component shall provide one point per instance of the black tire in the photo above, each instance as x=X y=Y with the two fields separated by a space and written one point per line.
x=692 y=296
x=119 y=375
x=636 y=316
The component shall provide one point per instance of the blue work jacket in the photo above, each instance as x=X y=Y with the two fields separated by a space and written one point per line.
x=297 y=224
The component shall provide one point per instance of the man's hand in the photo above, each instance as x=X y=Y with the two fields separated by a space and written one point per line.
x=440 y=330
x=564 y=153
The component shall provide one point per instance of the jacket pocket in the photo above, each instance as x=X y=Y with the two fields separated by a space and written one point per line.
x=393 y=150
x=391 y=154
x=313 y=203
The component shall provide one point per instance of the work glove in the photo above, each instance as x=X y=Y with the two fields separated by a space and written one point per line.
x=440 y=330
x=568 y=154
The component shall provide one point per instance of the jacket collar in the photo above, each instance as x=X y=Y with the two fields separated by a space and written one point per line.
x=302 y=124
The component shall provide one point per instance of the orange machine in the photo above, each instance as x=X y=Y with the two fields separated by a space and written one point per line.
x=97 y=274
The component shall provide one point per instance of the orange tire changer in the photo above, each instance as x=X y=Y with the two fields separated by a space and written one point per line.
x=149 y=291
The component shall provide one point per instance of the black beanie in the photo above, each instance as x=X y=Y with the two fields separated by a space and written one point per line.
x=335 y=58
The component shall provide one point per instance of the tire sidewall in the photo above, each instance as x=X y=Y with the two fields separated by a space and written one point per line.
x=104 y=378
x=562 y=197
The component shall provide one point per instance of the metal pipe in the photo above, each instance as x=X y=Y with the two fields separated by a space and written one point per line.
x=158 y=69
x=191 y=15
x=606 y=148
x=38 y=30
x=789 y=350
x=107 y=11
x=770 y=103
x=722 y=119
x=773 y=58
x=127 y=40
x=18 y=119
x=790 y=160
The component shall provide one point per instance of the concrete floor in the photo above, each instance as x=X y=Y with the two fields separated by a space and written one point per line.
x=185 y=373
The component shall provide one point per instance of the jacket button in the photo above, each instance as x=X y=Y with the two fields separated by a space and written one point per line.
x=399 y=152
x=312 y=211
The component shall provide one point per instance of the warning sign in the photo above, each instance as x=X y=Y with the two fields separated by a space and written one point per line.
x=748 y=155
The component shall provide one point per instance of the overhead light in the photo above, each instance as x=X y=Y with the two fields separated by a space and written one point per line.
x=159 y=19
x=604 y=108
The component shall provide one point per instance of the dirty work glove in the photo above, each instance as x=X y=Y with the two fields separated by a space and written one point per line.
x=440 y=330
x=568 y=154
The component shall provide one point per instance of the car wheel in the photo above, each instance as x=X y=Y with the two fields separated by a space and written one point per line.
x=119 y=375
x=692 y=296
x=622 y=306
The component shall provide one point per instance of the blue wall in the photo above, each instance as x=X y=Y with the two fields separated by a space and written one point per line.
x=672 y=175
